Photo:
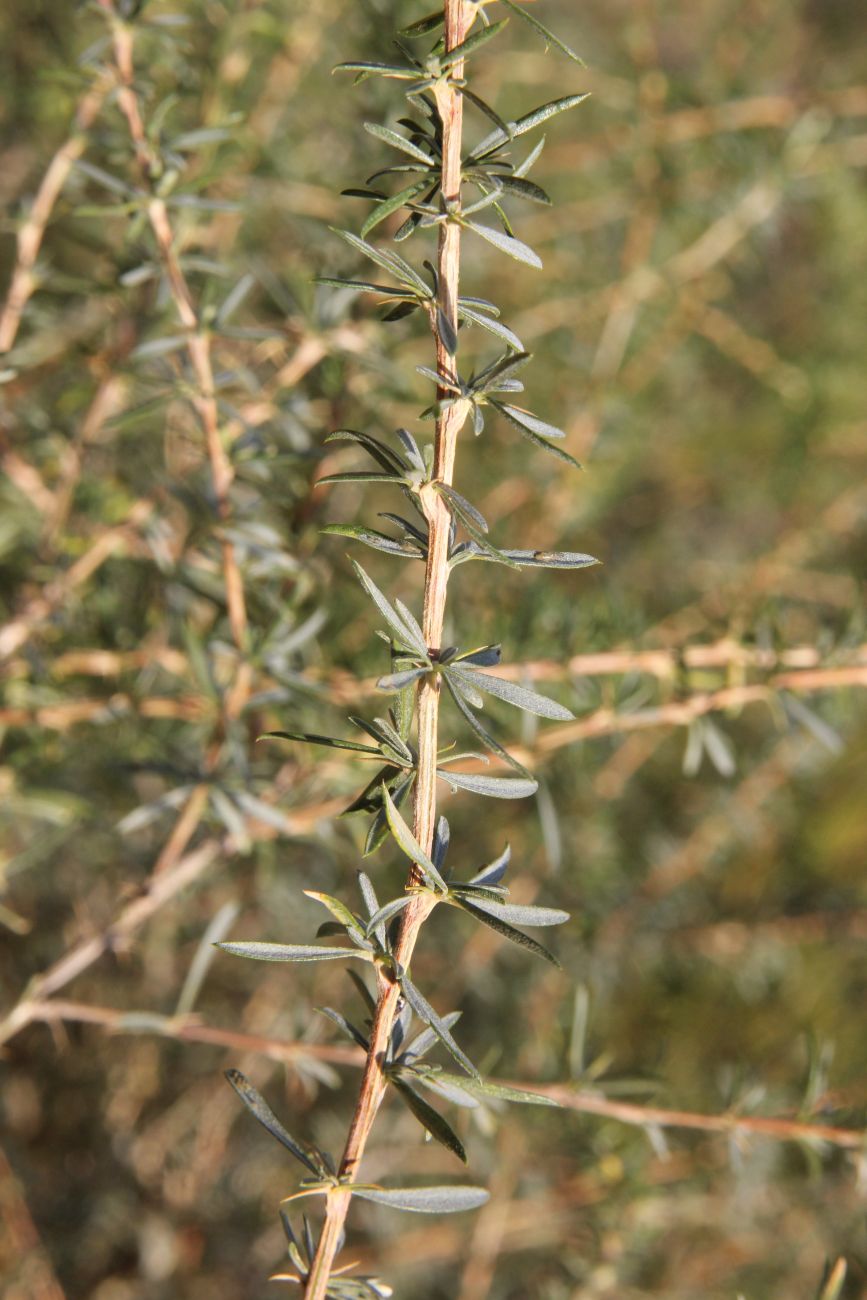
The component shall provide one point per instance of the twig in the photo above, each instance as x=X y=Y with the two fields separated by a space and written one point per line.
x=32 y=230
x=570 y=1096
x=198 y=348
x=458 y=19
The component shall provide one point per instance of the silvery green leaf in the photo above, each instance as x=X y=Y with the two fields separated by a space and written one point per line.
x=425 y=1012
x=492 y=326
x=359 y=286
x=378 y=920
x=449 y=1087
x=424 y=1200
x=379 y=830
x=492 y=873
x=447 y=332
x=492 y=787
x=205 y=954
x=516 y=914
x=457 y=693
x=519 y=696
x=411 y=448
x=442 y=836
x=386 y=259
x=258 y=1106
x=472 y=43
x=342 y=1023
x=406 y=635
x=500 y=1091
x=548 y=36
x=259 y=951
x=524 y=189
x=397 y=141
x=464 y=508
x=310 y=738
x=427 y=1040
x=366 y=68
x=486 y=656
x=535 y=438
x=390 y=205
x=378 y=541
x=483 y=107
x=528 y=122
x=410 y=845
x=507 y=931
x=389 y=459
x=339 y=911
x=397 y=681
x=527 y=420
x=551 y=559
x=423 y=26
x=430 y=1119
x=531 y=159
x=368 y=893
x=507 y=244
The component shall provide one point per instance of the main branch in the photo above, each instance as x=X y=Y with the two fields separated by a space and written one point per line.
x=458 y=18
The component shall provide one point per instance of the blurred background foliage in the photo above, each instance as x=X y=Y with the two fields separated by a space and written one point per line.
x=699 y=331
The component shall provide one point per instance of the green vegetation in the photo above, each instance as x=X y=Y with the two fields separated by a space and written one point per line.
x=168 y=596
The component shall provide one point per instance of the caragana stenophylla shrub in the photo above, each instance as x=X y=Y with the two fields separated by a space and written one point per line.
x=452 y=190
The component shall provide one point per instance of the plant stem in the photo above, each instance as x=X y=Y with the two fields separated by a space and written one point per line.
x=198 y=348
x=458 y=18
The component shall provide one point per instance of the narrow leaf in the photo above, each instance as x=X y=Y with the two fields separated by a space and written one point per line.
x=519 y=696
x=430 y=1119
x=410 y=845
x=424 y=1200
x=258 y=951
x=507 y=244
x=425 y=1012
x=258 y=1106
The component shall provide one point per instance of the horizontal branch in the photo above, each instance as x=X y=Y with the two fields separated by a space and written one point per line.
x=569 y=1096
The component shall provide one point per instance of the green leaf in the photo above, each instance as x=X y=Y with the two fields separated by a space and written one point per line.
x=424 y=1200
x=500 y=1091
x=541 y=30
x=494 y=327
x=537 y=441
x=410 y=845
x=492 y=787
x=339 y=911
x=406 y=635
x=425 y=1012
x=507 y=244
x=456 y=691
x=376 y=540
x=390 y=205
x=258 y=951
x=387 y=260
x=397 y=681
x=430 y=1119
x=398 y=141
x=342 y=1023
x=507 y=931
x=516 y=913
x=527 y=123
x=519 y=696
x=550 y=559
x=472 y=43
x=527 y=421
x=310 y=738
x=260 y=1109
x=386 y=913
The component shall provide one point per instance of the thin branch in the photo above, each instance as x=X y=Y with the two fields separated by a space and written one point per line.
x=198 y=347
x=459 y=16
x=32 y=230
x=570 y=1096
